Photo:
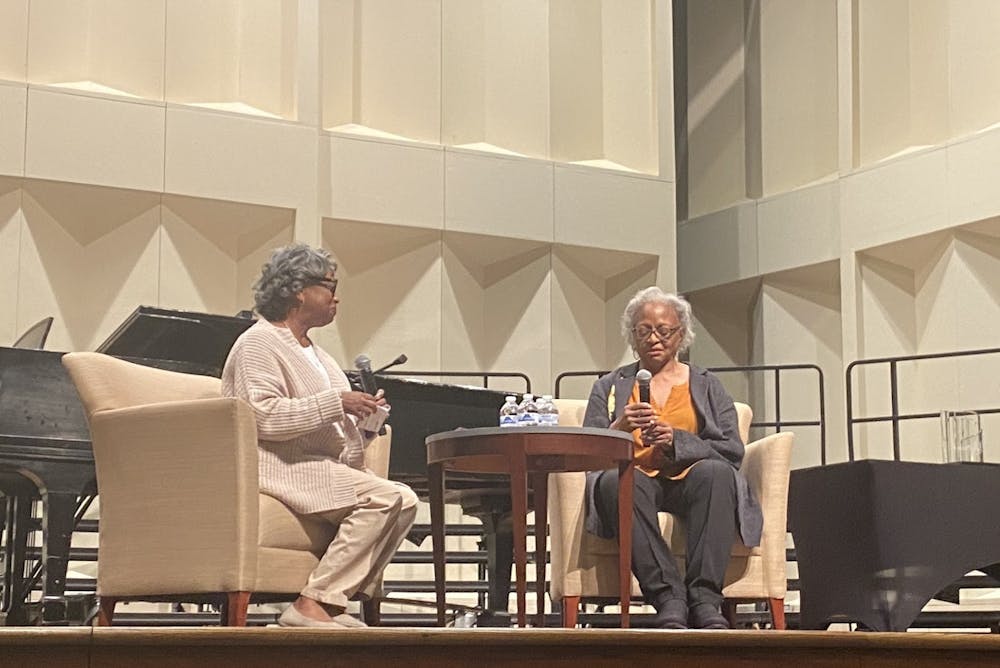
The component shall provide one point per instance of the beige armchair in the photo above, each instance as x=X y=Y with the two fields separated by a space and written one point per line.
x=584 y=566
x=181 y=515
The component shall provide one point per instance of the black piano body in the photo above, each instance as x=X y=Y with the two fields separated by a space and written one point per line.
x=45 y=450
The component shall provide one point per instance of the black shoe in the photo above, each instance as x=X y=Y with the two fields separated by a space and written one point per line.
x=671 y=614
x=707 y=616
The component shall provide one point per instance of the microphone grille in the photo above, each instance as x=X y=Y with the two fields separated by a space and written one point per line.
x=362 y=362
x=643 y=376
x=402 y=358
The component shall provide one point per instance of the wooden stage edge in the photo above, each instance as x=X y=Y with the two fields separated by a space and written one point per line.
x=85 y=647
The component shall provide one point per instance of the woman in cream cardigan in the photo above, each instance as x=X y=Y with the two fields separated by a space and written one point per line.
x=689 y=448
x=311 y=451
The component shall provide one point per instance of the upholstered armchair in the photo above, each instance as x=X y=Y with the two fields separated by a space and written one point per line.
x=584 y=566
x=182 y=518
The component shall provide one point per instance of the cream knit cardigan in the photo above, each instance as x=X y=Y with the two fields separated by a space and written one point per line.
x=306 y=442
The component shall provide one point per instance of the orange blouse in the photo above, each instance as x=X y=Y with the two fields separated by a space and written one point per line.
x=677 y=411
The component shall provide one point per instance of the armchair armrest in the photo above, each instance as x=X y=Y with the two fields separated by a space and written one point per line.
x=766 y=464
x=377 y=453
x=173 y=475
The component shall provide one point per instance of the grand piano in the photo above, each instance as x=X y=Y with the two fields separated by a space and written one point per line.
x=45 y=445
x=45 y=448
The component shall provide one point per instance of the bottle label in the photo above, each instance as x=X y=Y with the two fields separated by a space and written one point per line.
x=508 y=420
x=549 y=419
x=528 y=419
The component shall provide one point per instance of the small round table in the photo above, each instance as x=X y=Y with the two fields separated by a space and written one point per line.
x=538 y=451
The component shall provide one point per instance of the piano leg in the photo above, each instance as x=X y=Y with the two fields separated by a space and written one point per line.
x=18 y=517
x=498 y=542
x=58 y=519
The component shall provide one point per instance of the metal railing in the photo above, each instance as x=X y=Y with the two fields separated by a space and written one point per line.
x=895 y=417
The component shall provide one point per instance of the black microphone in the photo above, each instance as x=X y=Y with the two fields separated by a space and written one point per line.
x=396 y=362
x=642 y=377
x=364 y=366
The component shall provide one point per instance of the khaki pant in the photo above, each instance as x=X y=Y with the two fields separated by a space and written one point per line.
x=368 y=535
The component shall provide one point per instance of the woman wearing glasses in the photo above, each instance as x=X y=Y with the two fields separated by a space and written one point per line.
x=688 y=451
x=311 y=452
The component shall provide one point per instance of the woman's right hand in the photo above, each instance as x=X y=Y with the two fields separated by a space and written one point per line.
x=635 y=416
x=359 y=404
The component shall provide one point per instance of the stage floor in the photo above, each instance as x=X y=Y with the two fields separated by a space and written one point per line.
x=85 y=647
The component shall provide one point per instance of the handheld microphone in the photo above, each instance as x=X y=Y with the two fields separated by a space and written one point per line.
x=364 y=366
x=396 y=362
x=642 y=377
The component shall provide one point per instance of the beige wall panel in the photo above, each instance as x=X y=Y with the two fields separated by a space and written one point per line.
x=576 y=75
x=223 y=156
x=928 y=72
x=600 y=208
x=57 y=41
x=212 y=251
x=590 y=288
x=801 y=324
x=517 y=95
x=127 y=45
x=902 y=198
x=390 y=293
x=883 y=78
x=202 y=47
x=89 y=257
x=336 y=36
x=495 y=307
x=717 y=248
x=971 y=178
x=10 y=243
x=13 y=107
x=397 y=83
x=716 y=106
x=629 y=86
x=488 y=194
x=463 y=60
x=13 y=39
x=267 y=55
x=516 y=69
x=798 y=228
x=382 y=182
x=973 y=65
x=85 y=139
x=798 y=42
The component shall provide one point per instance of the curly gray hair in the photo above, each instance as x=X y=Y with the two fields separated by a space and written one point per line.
x=654 y=295
x=289 y=271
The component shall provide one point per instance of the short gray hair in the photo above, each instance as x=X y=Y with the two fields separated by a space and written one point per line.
x=654 y=295
x=289 y=271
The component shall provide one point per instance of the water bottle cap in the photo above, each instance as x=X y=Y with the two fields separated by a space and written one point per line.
x=510 y=397
x=529 y=396
x=546 y=396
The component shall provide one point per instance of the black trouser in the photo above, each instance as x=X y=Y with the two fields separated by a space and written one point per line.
x=705 y=501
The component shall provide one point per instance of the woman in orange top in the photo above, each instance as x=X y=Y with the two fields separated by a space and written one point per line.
x=688 y=446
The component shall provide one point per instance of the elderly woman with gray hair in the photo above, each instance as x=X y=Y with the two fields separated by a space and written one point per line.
x=689 y=448
x=311 y=451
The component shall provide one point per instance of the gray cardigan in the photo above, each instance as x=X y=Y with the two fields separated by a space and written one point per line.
x=719 y=438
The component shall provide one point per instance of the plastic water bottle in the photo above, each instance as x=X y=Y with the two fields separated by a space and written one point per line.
x=508 y=412
x=548 y=414
x=527 y=411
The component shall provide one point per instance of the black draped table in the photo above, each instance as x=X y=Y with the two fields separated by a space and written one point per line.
x=875 y=540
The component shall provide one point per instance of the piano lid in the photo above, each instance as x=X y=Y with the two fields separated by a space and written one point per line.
x=194 y=342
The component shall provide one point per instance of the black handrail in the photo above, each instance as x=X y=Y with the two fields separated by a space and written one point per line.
x=778 y=423
x=485 y=375
x=895 y=417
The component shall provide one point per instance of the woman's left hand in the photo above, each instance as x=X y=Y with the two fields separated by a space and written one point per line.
x=661 y=435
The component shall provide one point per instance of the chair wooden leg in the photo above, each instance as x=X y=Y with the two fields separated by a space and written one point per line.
x=570 y=611
x=106 y=611
x=729 y=612
x=371 y=611
x=234 y=608
x=777 y=606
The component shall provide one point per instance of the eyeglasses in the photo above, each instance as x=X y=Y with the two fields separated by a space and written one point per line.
x=642 y=332
x=328 y=283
